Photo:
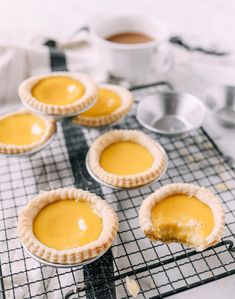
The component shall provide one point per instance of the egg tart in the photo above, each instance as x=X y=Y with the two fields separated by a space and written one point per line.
x=58 y=93
x=112 y=103
x=67 y=226
x=22 y=131
x=183 y=213
x=126 y=158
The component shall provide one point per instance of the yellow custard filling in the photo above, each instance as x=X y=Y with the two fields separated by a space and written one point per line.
x=58 y=90
x=67 y=224
x=21 y=129
x=126 y=158
x=182 y=218
x=107 y=101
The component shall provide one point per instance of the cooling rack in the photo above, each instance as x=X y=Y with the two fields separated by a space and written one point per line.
x=161 y=270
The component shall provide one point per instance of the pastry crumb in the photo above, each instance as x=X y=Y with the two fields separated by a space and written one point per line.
x=132 y=286
x=208 y=146
x=42 y=192
x=222 y=187
x=183 y=151
x=190 y=158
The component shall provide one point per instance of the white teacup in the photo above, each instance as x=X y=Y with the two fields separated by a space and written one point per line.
x=132 y=62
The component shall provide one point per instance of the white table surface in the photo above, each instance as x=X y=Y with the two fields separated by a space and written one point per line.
x=207 y=23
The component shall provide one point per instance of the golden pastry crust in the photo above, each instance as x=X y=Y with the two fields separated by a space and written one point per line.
x=202 y=194
x=50 y=129
x=126 y=105
x=75 y=255
x=127 y=181
x=70 y=109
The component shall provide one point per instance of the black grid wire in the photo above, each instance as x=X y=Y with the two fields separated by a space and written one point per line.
x=160 y=270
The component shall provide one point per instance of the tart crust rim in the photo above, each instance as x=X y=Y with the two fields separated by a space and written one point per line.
x=50 y=129
x=77 y=106
x=98 y=121
x=201 y=193
x=127 y=181
x=69 y=256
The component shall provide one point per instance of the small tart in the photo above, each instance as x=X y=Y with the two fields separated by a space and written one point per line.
x=67 y=226
x=112 y=103
x=183 y=213
x=126 y=158
x=58 y=93
x=23 y=131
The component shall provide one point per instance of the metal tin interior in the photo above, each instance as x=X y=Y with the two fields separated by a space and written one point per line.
x=221 y=102
x=171 y=113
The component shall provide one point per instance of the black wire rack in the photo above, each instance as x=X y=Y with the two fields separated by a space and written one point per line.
x=160 y=269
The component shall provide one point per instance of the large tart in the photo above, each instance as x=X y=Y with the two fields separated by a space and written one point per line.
x=126 y=158
x=67 y=226
x=23 y=131
x=59 y=93
x=112 y=103
x=183 y=213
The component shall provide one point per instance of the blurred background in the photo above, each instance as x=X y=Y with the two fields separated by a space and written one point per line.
x=209 y=22
x=25 y=25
